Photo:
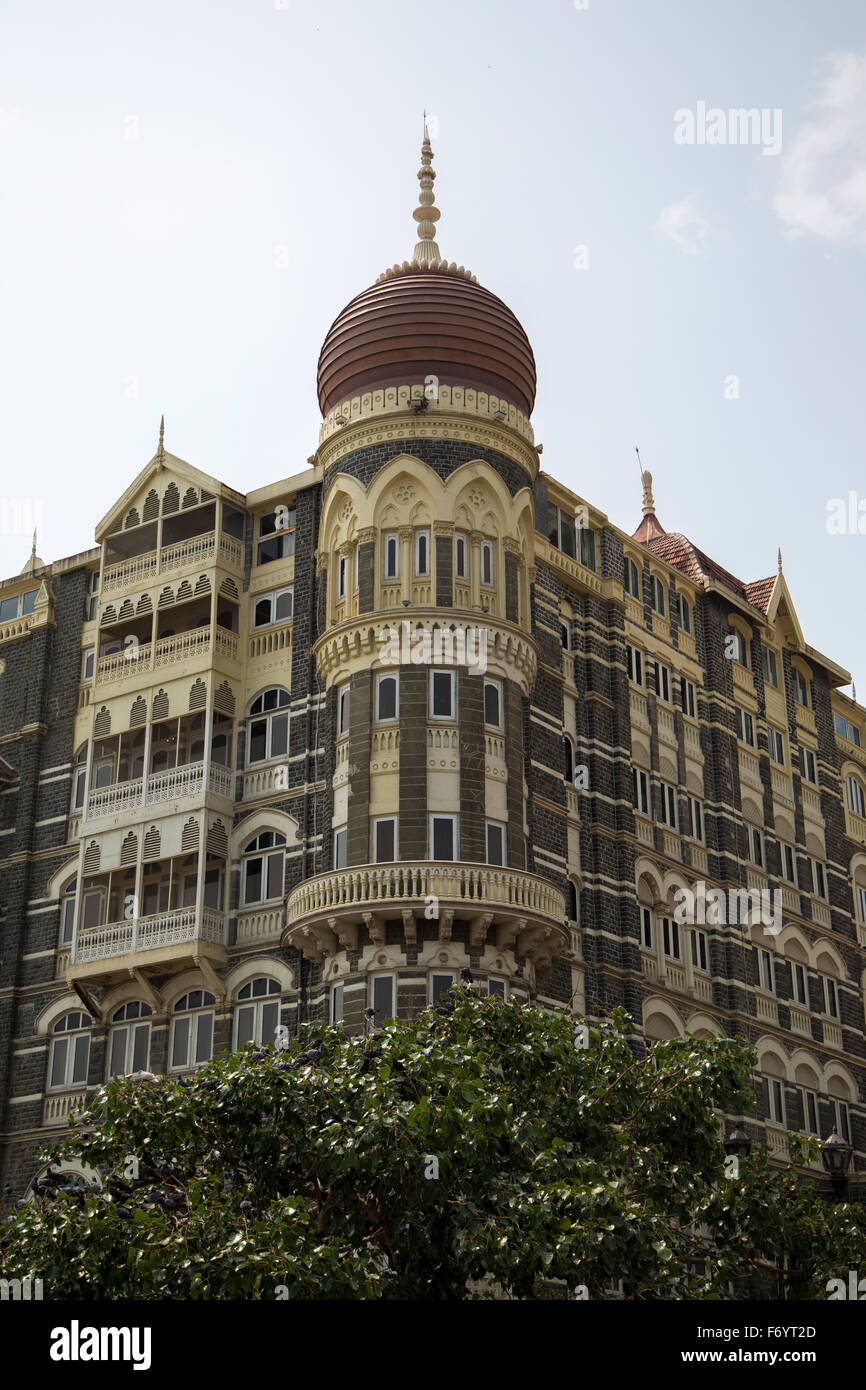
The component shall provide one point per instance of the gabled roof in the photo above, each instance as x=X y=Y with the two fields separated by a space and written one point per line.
x=678 y=551
x=169 y=463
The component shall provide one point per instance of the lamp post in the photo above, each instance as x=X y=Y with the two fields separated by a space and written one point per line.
x=836 y=1157
x=738 y=1144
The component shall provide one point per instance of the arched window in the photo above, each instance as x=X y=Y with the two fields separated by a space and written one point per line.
x=568 y=756
x=67 y=912
x=269 y=726
x=658 y=596
x=773 y=1076
x=129 y=1039
x=685 y=613
x=257 y=1015
x=740 y=650
x=70 y=1051
x=632 y=579
x=263 y=868
x=79 y=778
x=856 y=795
x=571 y=904
x=192 y=1030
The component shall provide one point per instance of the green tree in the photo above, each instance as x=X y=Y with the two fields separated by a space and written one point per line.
x=481 y=1146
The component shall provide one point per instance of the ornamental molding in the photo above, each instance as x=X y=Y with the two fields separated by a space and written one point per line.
x=406 y=427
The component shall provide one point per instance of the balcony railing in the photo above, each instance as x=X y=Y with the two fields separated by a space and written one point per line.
x=56 y=1107
x=811 y=803
x=527 y=911
x=148 y=934
x=140 y=569
x=855 y=826
x=750 y=770
x=783 y=790
x=638 y=707
x=168 y=651
x=174 y=785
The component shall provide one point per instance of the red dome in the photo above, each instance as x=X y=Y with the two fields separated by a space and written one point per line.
x=426 y=323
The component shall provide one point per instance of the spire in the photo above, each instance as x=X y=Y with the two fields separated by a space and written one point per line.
x=426 y=214
x=650 y=526
x=649 y=506
x=780 y=559
x=161 y=450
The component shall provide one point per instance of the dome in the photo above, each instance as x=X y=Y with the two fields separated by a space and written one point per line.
x=424 y=319
x=426 y=323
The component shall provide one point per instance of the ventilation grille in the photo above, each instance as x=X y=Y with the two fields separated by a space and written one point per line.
x=109 y=615
x=166 y=597
x=151 y=506
x=92 y=857
x=202 y=585
x=217 y=839
x=144 y=604
x=132 y=519
x=189 y=840
x=184 y=591
x=170 y=499
x=224 y=700
x=151 y=843
x=198 y=695
x=102 y=723
x=126 y=610
x=229 y=588
x=129 y=849
x=160 y=706
x=138 y=713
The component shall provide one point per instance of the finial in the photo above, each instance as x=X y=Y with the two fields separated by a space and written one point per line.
x=426 y=214
x=780 y=559
x=33 y=548
x=161 y=449
x=853 y=692
x=649 y=506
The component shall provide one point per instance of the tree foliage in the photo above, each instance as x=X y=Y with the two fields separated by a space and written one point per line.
x=472 y=1148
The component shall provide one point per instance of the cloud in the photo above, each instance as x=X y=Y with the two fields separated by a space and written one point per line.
x=684 y=226
x=823 y=176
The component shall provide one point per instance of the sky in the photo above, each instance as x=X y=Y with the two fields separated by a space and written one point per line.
x=191 y=191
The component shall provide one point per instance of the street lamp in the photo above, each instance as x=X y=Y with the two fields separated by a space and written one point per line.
x=836 y=1157
x=738 y=1144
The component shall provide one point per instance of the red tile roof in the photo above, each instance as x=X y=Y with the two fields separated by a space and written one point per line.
x=678 y=551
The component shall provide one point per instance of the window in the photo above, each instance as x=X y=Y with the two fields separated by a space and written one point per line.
x=357 y=567
x=846 y=730
x=587 y=547
x=766 y=973
x=562 y=532
x=70 y=1051
x=646 y=928
x=343 y=710
x=831 y=996
x=861 y=903
x=688 y=698
x=801 y=688
x=770 y=666
x=79 y=777
x=819 y=880
x=856 y=796
x=461 y=570
x=382 y=997
x=568 y=758
x=684 y=613
x=700 y=952
x=88 y=659
x=669 y=806
x=775 y=1100
x=276 y=535
x=341 y=847
x=385 y=840
x=657 y=590
x=422 y=554
x=336 y=1010
x=392 y=556
x=572 y=906
x=640 y=781
x=671 y=939
x=695 y=818
x=789 y=864
x=745 y=726
x=487 y=564
x=809 y=766
x=439 y=987
x=493 y=704
x=497 y=987
x=129 y=1039
x=776 y=743
x=741 y=651
x=756 y=846
x=18 y=606
x=341 y=576
x=663 y=681
x=809 y=1106
x=495 y=843
x=798 y=983
x=443 y=837
x=67 y=913
x=387 y=698
x=632 y=579
x=192 y=1030
x=634 y=664
x=269 y=726
x=93 y=597
x=841 y=1120
x=565 y=636
x=263 y=868
x=257 y=1014
x=442 y=701
x=276 y=607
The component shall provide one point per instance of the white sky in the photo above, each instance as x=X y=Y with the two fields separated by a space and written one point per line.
x=153 y=158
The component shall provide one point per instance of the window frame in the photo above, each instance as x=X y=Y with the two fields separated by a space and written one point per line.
x=381 y=677
x=454 y=820
x=69 y=1037
x=436 y=676
x=394 y=822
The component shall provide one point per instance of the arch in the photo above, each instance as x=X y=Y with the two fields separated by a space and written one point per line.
x=773 y=1059
x=838 y=1082
x=262 y=690
x=179 y=985
x=66 y=1004
x=650 y=883
x=828 y=961
x=702 y=1025
x=661 y=1020
x=794 y=944
x=752 y=811
x=59 y=879
x=266 y=819
x=268 y=966
x=125 y=993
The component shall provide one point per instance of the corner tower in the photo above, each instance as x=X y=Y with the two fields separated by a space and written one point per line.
x=426 y=550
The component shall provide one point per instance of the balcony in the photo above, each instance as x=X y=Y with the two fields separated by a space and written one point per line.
x=667 y=727
x=820 y=912
x=805 y=718
x=134 y=662
x=750 y=770
x=692 y=740
x=258 y=925
x=800 y=1022
x=790 y=900
x=767 y=1008
x=58 y=1106
x=783 y=790
x=178 y=784
x=855 y=826
x=517 y=910
x=171 y=940
x=638 y=708
x=811 y=800
x=644 y=829
x=832 y=1034
x=687 y=645
x=634 y=610
x=198 y=550
x=743 y=678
